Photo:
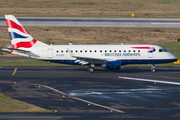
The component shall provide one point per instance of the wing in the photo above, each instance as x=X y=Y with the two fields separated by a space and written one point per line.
x=87 y=60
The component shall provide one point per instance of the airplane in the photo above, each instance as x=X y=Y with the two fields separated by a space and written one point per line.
x=111 y=57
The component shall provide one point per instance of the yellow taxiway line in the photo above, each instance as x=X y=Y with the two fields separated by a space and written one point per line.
x=14 y=71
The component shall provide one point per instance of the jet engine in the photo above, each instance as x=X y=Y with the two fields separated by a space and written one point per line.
x=112 y=65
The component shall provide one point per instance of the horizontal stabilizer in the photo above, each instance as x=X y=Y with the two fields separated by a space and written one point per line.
x=19 y=52
x=6 y=50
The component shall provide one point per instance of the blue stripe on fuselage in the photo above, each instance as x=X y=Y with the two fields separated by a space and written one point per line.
x=123 y=62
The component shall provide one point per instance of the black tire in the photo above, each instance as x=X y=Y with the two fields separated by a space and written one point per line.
x=91 y=70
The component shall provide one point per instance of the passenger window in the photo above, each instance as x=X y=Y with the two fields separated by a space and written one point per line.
x=90 y=51
x=85 y=50
x=124 y=50
x=71 y=50
x=129 y=50
x=67 y=51
x=119 y=50
x=62 y=51
x=76 y=51
x=80 y=50
x=94 y=50
x=134 y=51
x=57 y=51
x=138 y=50
x=114 y=50
x=105 y=50
x=100 y=50
x=109 y=50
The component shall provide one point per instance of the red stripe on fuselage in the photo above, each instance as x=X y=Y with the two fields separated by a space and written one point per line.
x=143 y=47
x=28 y=44
x=12 y=24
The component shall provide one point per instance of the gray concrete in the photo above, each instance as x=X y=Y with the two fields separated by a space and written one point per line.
x=137 y=99
x=97 y=22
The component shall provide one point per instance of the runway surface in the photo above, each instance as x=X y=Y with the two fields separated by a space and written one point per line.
x=77 y=94
x=97 y=22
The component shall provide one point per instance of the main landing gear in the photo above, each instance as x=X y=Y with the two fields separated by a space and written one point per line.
x=91 y=68
x=153 y=68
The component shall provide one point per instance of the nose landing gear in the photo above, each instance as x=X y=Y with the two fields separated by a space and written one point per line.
x=153 y=69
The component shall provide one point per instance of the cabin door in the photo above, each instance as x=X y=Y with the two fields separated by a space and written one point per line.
x=50 y=53
x=150 y=54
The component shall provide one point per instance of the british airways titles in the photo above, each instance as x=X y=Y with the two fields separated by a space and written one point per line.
x=122 y=54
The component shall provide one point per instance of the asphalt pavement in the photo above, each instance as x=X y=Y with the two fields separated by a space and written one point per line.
x=77 y=94
x=97 y=22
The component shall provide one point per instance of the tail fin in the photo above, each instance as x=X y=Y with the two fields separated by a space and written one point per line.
x=20 y=37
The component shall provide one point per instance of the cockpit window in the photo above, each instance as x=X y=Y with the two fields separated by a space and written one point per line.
x=165 y=50
x=162 y=50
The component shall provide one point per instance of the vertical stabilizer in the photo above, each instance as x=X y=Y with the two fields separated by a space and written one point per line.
x=20 y=37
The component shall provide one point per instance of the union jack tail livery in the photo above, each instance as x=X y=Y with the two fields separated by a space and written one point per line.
x=20 y=37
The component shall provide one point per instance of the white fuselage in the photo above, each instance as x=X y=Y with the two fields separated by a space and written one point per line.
x=124 y=53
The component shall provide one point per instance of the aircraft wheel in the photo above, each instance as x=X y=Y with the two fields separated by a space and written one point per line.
x=91 y=70
x=153 y=70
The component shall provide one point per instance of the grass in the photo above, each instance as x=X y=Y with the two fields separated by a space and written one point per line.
x=30 y=62
x=97 y=35
x=8 y=104
x=91 y=8
x=165 y=37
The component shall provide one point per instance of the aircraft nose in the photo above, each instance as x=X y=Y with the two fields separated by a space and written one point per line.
x=172 y=57
x=175 y=58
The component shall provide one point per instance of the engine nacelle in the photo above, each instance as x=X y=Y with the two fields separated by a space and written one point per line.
x=112 y=65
